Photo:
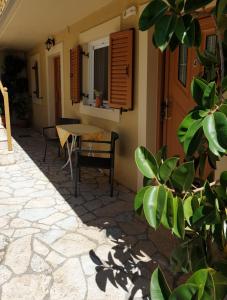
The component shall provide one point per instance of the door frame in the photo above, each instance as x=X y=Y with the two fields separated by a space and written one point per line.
x=57 y=50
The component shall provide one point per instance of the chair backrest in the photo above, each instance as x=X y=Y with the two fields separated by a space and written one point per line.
x=114 y=137
x=63 y=121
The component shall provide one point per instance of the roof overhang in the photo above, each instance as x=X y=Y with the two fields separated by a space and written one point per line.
x=26 y=23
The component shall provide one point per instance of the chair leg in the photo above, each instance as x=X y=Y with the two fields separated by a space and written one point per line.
x=45 y=152
x=111 y=178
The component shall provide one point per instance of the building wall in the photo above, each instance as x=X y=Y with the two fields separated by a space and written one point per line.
x=126 y=171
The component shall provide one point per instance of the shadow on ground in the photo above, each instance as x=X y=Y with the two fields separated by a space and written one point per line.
x=134 y=251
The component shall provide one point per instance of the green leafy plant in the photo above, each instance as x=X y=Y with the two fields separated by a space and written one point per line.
x=178 y=193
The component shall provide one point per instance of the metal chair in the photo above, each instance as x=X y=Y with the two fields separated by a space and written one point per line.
x=55 y=139
x=86 y=158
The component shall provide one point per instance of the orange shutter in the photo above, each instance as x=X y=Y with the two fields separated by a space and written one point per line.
x=121 y=69
x=75 y=74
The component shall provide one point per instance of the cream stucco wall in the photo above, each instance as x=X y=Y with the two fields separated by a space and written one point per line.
x=126 y=171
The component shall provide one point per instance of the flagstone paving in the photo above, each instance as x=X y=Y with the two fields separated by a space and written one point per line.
x=55 y=246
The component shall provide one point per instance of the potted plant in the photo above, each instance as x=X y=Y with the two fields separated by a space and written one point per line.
x=98 y=98
x=178 y=194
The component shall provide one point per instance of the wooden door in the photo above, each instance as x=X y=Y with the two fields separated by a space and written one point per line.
x=182 y=65
x=57 y=88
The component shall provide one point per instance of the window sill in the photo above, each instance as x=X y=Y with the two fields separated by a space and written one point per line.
x=104 y=113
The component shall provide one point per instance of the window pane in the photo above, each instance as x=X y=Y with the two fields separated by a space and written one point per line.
x=182 y=64
x=211 y=41
x=101 y=71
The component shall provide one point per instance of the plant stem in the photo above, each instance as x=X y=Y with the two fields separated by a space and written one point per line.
x=221 y=54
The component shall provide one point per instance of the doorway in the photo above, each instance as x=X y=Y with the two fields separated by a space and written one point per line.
x=181 y=66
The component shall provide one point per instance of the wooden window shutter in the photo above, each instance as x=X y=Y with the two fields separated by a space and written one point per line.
x=121 y=69
x=75 y=74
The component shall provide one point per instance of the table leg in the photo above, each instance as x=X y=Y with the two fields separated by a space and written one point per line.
x=70 y=150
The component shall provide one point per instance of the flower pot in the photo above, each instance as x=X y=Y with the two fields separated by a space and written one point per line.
x=98 y=102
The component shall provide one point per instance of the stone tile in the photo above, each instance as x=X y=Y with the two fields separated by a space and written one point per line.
x=18 y=254
x=73 y=244
x=69 y=282
x=93 y=234
x=26 y=231
x=26 y=287
x=40 y=248
x=113 y=209
x=35 y=214
x=133 y=228
x=51 y=220
x=40 y=202
x=54 y=259
x=50 y=236
x=5 y=274
x=69 y=223
x=19 y=223
x=38 y=264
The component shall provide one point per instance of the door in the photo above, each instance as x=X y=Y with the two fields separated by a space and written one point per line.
x=182 y=65
x=57 y=88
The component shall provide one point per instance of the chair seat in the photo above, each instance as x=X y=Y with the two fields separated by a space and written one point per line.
x=94 y=162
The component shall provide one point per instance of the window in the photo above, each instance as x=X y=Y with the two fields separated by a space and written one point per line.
x=182 y=64
x=98 y=71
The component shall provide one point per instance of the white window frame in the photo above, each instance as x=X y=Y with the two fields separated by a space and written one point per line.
x=92 y=46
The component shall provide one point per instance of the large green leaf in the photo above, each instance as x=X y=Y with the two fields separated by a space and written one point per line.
x=153 y=204
x=192 y=5
x=167 y=168
x=198 y=87
x=183 y=176
x=164 y=30
x=138 y=202
x=161 y=155
x=168 y=212
x=152 y=13
x=146 y=162
x=220 y=282
x=189 y=137
x=187 y=291
x=221 y=128
x=191 y=203
x=203 y=279
x=159 y=288
x=209 y=95
x=178 y=214
x=188 y=31
x=187 y=123
x=210 y=132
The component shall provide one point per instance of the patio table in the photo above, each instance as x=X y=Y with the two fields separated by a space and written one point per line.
x=74 y=130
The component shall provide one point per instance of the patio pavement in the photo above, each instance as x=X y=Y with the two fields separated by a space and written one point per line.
x=55 y=246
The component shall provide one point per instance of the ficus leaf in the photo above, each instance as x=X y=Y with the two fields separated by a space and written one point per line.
x=159 y=288
x=185 y=291
x=154 y=204
x=192 y=5
x=168 y=212
x=183 y=176
x=198 y=87
x=164 y=30
x=167 y=168
x=210 y=132
x=221 y=128
x=191 y=203
x=152 y=13
x=178 y=224
x=146 y=162
x=138 y=202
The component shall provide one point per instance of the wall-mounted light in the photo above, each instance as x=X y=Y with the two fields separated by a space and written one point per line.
x=50 y=42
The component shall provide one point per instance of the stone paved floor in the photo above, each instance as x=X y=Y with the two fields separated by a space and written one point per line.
x=55 y=246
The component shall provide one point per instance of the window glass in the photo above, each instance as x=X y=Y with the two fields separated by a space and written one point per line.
x=182 y=64
x=211 y=41
x=101 y=71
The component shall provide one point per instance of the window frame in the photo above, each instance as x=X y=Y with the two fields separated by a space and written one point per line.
x=92 y=46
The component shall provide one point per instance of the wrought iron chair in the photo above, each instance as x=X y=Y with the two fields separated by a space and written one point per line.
x=86 y=158
x=50 y=139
